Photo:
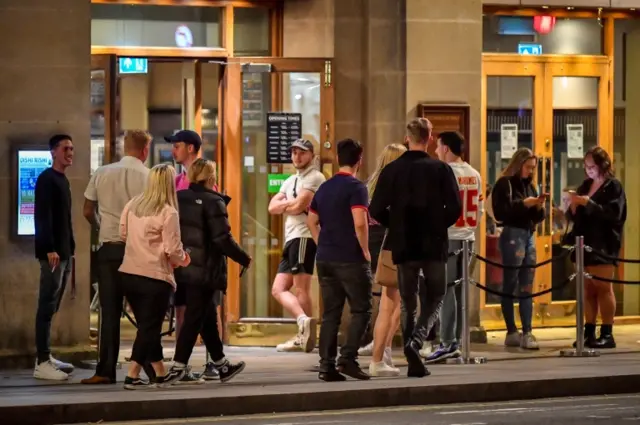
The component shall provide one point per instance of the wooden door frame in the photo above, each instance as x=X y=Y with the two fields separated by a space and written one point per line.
x=232 y=146
x=108 y=64
x=542 y=69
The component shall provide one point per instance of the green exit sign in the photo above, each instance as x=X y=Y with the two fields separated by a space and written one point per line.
x=274 y=181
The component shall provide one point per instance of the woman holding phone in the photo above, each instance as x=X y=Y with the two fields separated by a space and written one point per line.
x=518 y=208
x=599 y=210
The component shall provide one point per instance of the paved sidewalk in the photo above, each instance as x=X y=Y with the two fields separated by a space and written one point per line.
x=280 y=383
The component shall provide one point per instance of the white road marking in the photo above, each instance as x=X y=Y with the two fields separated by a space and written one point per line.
x=598 y=417
x=522 y=409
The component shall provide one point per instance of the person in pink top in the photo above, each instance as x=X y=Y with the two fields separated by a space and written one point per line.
x=150 y=228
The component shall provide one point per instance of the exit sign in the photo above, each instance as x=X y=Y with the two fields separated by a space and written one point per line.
x=529 y=49
x=133 y=65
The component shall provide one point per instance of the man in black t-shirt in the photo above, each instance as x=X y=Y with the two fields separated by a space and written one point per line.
x=54 y=246
x=338 y=221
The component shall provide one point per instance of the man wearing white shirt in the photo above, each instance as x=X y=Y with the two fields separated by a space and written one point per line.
x=108 y=191
x=450 y=148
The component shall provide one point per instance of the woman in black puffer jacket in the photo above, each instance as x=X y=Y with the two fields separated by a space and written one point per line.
x=206 y=235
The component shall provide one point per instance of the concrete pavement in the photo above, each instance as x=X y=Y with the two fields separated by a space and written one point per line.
x=562 y=411
x=279 y=383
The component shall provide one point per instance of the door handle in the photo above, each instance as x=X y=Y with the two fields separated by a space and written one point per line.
x=546 y=248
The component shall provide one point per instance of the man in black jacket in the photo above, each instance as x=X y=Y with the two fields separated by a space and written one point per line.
x=206 y=235
x=417 y=199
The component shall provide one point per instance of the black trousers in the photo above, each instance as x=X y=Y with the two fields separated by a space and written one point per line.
x=340 y=282
x=430 y=290
x=200 y=317
x=149 y=300
x=111 y=296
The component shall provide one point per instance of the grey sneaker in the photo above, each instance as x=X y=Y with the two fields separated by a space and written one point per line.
x=513 y=339
x=189 y=379
x=529 y=342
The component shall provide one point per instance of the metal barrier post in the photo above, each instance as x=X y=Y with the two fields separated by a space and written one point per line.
x=464 y=308
x=580 y=350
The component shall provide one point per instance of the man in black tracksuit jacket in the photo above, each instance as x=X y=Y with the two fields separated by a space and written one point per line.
x=206 y=234
x=417 y=199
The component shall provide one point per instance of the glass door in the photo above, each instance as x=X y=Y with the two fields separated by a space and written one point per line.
x=556 y=106
x=513 y=99
x=576 y=119
x=256 y=163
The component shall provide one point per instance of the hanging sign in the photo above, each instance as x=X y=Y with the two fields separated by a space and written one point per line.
x=575 y=141
x=508 y=140
x=283 y=128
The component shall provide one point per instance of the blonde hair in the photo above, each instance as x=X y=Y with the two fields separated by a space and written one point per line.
x=136 y=140
x=419 y=130
x=160 y=192
x=202 y=171
x=389 y=153
x=517 y=161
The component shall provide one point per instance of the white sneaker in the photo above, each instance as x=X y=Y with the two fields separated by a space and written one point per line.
x=529 y=342
x=387 y=357
x=65 y=367
x=49 y=372
x=307 y=334
x=367 y=350
x=513 y=339
x=294 y=345
x=382 y=370
x=427 y=349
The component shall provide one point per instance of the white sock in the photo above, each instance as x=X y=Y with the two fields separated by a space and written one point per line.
x=301 y=320
x=220 y=362
x=179 y=365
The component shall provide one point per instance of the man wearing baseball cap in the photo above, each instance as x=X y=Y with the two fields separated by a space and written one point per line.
x=186 y=146
x=299 y=252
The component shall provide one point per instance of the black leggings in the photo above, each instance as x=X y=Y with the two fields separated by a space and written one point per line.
x=200 y=317
x=149 y=301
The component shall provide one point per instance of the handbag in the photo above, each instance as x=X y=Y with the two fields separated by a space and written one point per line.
x=386 y=271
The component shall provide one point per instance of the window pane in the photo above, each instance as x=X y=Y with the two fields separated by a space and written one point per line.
x=251 y=31
x=155 y=26
x=563 y=36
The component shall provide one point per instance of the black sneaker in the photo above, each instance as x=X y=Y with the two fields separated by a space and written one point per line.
x=332 y=375
x=353 y=370
x=228 y=371
x=190 y=379
x=416 y=368
x=210 y=372
x=137 y=384
x=175 y=374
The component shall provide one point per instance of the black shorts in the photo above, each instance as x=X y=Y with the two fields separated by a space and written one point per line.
x=298 y=256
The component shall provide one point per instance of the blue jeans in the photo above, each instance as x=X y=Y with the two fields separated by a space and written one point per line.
x=451 y=313
x=518 y=248
x=52 y=285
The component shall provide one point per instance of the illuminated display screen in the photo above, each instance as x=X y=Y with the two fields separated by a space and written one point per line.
x=30 y=164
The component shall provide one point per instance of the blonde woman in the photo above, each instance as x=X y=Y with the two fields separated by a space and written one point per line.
x=518 y=208
x=388 y=319
x=150 y=227
x=206 y=234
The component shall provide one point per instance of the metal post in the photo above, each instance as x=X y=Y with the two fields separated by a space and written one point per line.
x=464 y=301
x=579 y=296
x=464 y=310
x=580 y=350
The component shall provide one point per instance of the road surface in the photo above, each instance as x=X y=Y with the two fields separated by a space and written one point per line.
x=605 y=410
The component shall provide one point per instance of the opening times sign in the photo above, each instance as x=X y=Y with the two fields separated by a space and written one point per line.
x=30 y=165
x=283 y=128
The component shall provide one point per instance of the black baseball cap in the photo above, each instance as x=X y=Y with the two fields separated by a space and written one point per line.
x=303 y=144
x=189 y=137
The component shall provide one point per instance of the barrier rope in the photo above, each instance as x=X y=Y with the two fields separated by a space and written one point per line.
x=562 y=256
x=524 y=297
x=610 y=257
x=611 y=280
